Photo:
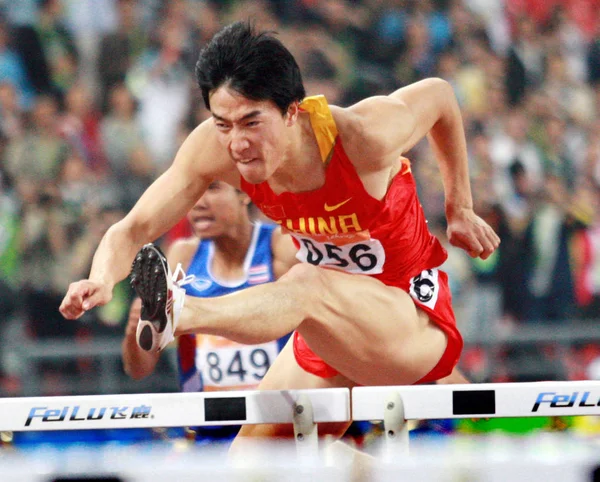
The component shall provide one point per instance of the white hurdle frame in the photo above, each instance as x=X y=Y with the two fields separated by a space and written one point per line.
x=394 y=405
x=305 y=409
x=302 y=408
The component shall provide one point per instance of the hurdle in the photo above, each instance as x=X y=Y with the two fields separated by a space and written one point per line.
x=395 y=405
x=305 y=409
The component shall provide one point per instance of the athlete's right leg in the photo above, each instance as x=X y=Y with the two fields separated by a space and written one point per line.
x=286 y=374
x=372 y=333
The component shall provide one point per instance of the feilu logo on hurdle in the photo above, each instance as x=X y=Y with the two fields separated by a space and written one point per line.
x=566 y=400
x=532 y=399
x=170 y=409
x=75 y=414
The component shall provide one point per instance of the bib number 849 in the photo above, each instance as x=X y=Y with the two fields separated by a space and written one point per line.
x=360 y=258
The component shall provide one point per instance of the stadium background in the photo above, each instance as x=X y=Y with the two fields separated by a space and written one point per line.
x=96 y=95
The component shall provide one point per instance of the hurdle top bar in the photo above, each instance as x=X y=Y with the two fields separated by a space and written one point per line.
x=489 y=400
x=169 y=409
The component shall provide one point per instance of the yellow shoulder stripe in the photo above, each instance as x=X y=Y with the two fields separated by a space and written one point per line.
x=322 y=123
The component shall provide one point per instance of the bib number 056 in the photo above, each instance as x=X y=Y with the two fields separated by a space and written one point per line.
x=365 y=257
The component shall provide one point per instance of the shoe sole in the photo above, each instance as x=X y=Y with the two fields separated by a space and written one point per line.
x=149 y=280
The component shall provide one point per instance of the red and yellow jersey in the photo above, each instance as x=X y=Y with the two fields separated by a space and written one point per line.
x=341 y=226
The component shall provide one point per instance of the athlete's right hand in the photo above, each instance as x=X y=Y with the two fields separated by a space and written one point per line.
x=83 y=296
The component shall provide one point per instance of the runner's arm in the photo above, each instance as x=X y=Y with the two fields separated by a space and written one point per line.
x=199 y=161
x=388 y=126
x=165 y=202
x=436 y=112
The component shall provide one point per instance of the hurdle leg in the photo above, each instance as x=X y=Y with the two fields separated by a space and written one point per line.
x=305 y=429
x=395 y=427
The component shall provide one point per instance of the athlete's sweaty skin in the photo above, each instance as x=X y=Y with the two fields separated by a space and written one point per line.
x=371 y=333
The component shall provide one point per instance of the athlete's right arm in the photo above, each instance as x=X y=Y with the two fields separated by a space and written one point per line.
x=199 y=161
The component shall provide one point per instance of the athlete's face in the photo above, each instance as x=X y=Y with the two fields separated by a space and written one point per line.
x=255 y=133
x=219 y=212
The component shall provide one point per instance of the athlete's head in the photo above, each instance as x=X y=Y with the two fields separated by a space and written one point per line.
x=252 y=85
x=221 y=211
x=254 y=64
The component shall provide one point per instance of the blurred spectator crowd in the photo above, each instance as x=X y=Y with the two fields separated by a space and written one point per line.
x=96 y=96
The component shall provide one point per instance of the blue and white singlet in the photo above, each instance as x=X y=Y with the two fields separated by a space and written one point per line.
x=209 y=362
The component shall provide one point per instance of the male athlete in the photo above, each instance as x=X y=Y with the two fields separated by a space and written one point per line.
x=367 y=304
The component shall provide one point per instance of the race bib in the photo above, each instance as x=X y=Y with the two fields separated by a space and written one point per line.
x=241 y=366
x=362 y=257
x=425 y=287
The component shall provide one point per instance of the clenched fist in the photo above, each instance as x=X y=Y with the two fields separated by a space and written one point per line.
x=83 y=296
x=468 y=231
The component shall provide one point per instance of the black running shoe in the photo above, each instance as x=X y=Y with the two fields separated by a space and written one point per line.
x=162 y=298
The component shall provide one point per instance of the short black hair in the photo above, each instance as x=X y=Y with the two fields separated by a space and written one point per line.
x=255 y=64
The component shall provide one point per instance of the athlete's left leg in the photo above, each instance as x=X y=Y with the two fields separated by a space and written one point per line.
x=286 y=374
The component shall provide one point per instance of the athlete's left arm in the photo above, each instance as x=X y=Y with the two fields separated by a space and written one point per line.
x=284 y=253
x=388 y=126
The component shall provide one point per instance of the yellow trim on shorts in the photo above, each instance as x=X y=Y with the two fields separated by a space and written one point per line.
x=322 y=123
